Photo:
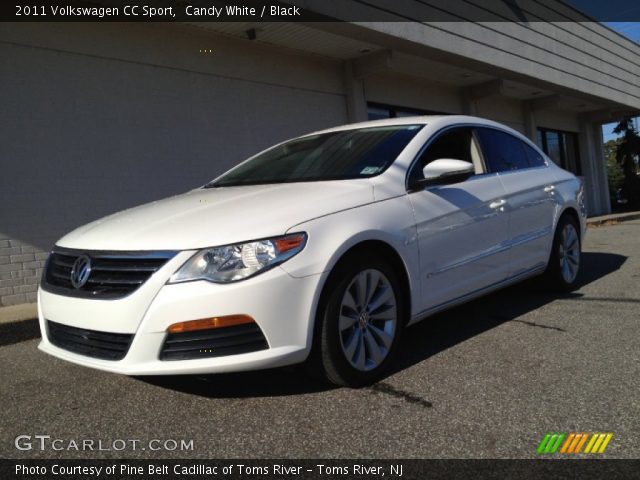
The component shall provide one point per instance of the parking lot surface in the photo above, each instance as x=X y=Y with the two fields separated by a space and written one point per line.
x=484 y=380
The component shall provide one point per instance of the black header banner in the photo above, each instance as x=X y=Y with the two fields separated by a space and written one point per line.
x=318 y=10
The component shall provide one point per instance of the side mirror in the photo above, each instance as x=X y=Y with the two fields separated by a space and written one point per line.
x=445 y=171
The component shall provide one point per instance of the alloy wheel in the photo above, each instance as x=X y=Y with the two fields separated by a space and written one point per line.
x=368 y=319
x=569 y=253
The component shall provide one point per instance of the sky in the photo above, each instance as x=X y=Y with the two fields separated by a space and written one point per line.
x=630 y=30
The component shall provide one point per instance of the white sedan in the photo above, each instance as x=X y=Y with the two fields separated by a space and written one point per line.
x=320 y=249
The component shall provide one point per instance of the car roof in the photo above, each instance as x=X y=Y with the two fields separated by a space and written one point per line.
x=438 y=121
x=441 y=120
x=417 y=120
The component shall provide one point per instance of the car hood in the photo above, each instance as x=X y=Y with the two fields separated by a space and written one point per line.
x=217 y=216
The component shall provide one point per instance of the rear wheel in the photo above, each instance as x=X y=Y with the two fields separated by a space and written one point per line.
x=564 y=263
x=361 y=317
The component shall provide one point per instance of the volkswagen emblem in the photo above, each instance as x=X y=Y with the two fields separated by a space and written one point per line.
x=80 y=271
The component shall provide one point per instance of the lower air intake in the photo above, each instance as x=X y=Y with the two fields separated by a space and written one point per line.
x=92 y=343
x=216 y=342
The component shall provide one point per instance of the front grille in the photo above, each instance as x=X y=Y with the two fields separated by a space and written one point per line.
x=217 y=342
x=113 y=274
x=92 y=343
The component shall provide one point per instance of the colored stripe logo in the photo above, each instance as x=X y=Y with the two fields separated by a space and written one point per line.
x=574 y=443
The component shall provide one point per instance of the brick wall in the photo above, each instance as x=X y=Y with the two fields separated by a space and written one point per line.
x=20 y=271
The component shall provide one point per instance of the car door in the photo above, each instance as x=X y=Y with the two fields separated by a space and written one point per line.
x=530 y=197
x=462 y=227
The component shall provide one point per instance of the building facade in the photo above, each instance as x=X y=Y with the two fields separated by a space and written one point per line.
x=101 y=117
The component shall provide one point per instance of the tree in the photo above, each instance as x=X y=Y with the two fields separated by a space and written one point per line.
x=614 y=170
x=627 y=155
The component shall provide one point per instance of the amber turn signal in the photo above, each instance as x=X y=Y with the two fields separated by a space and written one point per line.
x=289 y=242
x=209 y=323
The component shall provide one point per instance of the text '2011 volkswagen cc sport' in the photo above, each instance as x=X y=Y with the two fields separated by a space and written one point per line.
x=322 y=248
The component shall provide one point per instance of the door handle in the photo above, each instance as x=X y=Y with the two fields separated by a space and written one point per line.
x=549 y=188
x=498 y=204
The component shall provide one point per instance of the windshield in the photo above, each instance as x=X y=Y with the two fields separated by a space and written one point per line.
x=340 y=155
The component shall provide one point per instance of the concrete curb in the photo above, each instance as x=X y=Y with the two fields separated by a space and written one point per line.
x=612 y=219
x=17 y=313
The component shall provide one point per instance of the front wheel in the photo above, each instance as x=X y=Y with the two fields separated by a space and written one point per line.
x=564 y=263
x=362 y=316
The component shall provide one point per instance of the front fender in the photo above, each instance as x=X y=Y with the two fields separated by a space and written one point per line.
x=329 y=238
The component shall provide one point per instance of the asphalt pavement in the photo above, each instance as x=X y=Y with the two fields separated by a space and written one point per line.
x=484 y=380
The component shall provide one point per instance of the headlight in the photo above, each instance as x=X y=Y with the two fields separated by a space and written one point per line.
x=231 y=263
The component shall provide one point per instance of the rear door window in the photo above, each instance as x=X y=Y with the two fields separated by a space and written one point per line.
x=502 y=152
x=535 y=158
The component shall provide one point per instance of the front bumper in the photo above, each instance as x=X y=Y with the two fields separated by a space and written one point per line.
x=281 y=305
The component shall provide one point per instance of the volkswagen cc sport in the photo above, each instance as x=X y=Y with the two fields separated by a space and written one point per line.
x=320 y=249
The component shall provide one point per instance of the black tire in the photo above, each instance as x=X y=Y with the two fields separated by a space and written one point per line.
x=329 y=356
x=553 y=275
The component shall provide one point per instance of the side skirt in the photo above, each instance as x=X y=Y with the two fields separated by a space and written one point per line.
x=477 y=293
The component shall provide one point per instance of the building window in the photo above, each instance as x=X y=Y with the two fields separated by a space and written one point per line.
x=561 y=147
x=379 y=111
